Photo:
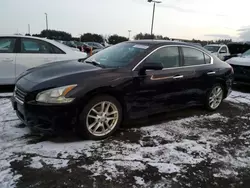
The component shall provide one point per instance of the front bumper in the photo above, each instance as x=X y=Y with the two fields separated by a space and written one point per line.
x=46 y=118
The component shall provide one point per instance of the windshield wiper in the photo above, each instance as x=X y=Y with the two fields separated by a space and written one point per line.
x=95 y=63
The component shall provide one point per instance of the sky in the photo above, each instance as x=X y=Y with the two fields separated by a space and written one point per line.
x=184 y=19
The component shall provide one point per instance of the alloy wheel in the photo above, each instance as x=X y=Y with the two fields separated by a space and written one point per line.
x=215 y=97
x=102 y=118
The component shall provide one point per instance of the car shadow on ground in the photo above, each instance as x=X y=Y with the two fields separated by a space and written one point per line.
x=126 y=131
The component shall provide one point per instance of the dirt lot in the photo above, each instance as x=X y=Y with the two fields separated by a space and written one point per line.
x=190 y=148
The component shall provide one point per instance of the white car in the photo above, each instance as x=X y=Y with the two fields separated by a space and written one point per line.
x=220 y=50
x=19 y=53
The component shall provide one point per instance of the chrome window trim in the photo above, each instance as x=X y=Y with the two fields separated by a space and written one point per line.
x=211 y=62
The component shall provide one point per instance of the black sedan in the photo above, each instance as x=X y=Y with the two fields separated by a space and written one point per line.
x=128 y=80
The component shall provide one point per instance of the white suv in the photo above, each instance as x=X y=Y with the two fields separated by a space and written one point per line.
x=19 y=53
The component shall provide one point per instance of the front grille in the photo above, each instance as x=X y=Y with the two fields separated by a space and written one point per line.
x=20 y=94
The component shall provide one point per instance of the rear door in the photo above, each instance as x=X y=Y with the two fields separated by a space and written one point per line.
x=7 y=60
x=33 y=52
x=205 y=73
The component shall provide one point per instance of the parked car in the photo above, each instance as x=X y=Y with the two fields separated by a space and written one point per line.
x=219 y=50
x=19 y=53
x=196 y=44
x=241 y=66
x=237 y=49
x=72 y=45
x=95 y=45
x=96 y=51
x=83 y=47
x=128 y=80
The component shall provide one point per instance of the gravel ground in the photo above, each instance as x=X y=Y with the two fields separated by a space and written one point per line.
x=188 y=148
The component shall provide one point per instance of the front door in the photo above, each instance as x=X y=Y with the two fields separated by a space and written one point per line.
x=7 y=60
x=161 y=90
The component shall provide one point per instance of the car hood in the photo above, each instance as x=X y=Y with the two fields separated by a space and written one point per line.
x=243 y=61
x=56 y=70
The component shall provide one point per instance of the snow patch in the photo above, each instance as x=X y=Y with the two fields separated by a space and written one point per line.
x=165 y=167
x=139 y=180
x=9 y=94
x=168 y=147
x=239 y=97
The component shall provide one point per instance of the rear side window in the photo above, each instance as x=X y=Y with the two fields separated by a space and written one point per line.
x=35 y=46
x=167 y=56
x=7 y=45
x=193 y=57
x=56 y=50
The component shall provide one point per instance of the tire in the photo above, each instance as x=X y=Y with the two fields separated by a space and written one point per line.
x=92 y=117
x=208 y=104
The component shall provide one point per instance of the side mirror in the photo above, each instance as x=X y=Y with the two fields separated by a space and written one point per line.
x=239 y=55
x=150 y=66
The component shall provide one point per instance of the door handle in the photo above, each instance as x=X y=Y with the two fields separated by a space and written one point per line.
x=178 y=77
x=212 y=72
x=7 y=60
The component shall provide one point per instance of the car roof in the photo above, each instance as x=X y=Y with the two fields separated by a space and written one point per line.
x=23 y=36
x=58 y=44
x=163 y=42
x=216 y=45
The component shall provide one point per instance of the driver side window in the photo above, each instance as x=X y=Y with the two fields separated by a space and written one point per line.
x=168 y=56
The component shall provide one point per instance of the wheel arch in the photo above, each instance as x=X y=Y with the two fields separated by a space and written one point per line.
x=107 y=90
x=224 y=85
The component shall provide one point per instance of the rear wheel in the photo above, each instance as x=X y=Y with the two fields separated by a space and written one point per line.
x=100 y=118
x=214 y=97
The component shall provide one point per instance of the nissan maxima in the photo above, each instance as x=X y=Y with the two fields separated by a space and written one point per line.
x=129 y=80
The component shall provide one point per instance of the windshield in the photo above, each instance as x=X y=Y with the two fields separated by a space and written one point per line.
x=247 y=53
x=212 y=48
x=119 y=55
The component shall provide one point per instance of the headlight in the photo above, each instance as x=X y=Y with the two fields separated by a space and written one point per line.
x=56 y=95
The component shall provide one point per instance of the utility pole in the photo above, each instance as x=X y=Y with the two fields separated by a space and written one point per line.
x=153 y=16
x=47 y=27
x=29 y=29
x=129 y=31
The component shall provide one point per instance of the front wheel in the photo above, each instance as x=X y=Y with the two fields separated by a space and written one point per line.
x=214 y=97
x=100 y=118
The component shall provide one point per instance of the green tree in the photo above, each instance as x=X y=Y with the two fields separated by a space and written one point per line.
x=149 y=36
x=36 y=35
x=144 y=36
x=91 y=37
x=56 y=35
x=115 y=39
